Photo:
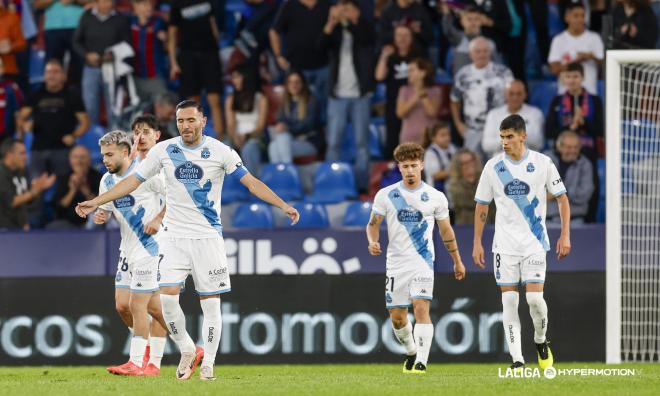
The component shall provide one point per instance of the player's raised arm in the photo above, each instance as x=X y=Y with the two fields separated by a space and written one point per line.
x=564 y=242
x=124 y=187
x=480 y=215
x=373 y=234
x=449 y=239
x=263 y=192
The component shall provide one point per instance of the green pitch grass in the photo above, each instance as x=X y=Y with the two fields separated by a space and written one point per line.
x=336 y=380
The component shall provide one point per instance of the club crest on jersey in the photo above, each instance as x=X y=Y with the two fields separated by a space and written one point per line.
x=409 y=215
x=388 y=298
x=425 y=196
x=124 y=202
x=118 y=277
x=516 y=189
x=206 y=153
x=530 y=168
x=188 y=173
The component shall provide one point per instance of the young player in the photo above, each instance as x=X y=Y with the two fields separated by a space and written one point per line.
x=411 y=208
x=194 y=168
x=136 y=286
x=519 y=181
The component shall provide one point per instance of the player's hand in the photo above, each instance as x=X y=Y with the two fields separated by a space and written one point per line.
x=85 y=208
x=478 y=255
x=374 y=249
x=563 y=246
x=292 y=213
x=153 y=226
x=101 y=217
x=459 y=270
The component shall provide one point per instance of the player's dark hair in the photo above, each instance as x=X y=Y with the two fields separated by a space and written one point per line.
x=408 y=152
x=515 y=122
x=7 y=146
x=148 y=119
x=190 y=103
x=575 y=67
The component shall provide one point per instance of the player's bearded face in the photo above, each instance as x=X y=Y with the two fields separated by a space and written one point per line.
x=113 y=158
x=411 y=171
x=190 y=123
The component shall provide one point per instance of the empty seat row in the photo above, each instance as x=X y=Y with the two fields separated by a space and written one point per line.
x=312 y=215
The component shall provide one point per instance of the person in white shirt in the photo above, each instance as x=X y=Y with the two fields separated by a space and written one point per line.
x=577 y=44
x=194 y=167
x=515 y=95
x=478 y=88
x=411 y=208
x=519 y=181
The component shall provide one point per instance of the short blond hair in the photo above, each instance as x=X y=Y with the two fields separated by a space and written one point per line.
x=120 y=138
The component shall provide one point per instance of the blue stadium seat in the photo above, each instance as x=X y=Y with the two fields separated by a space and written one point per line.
x=542 y=93
x=253 y=215
x=233 y=190
x=357 y=214
x=601 y=90
x=376 y=130
x=379 y=94
x=333 y=182
x=312 y=215
x=284 y=180
x=600 y=211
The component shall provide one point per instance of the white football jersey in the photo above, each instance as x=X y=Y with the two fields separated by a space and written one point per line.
x=133 y=211
x=193 y=183
x=411 y=216
x=520 y=192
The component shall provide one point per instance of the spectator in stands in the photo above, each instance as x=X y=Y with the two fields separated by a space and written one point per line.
x=515 y=95
x=100 y=28
x=148 y=36
x=246 y=110
x=82 y=184
x=294 y=39
x=253 y=40
x=60 y=21
x=438 y=155
x=56 y=116
x=577 y=173
x=496 y=20
x=194 y=31
x=471 y=20
x=297 y=132
x=576 y=110
x=15 y=194
x=164 y=109
x=462 y=184
x=418 y=102
x=393 y=65
x=11 y=40
x=634 y=25
x=577 y=44
x=350 y=39
x=11 y=100
x=478 y=88
x=410 y=13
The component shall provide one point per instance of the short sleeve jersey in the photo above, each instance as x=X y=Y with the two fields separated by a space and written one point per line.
x=133 y=211
x=193 y=183
x=411 y=216
x=519 y=189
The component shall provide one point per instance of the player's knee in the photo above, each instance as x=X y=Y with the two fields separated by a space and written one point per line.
x=535 y=299
x=421 y=310
x=122 y=308
x=510 y=299
x=155 y=311
x=398 y=319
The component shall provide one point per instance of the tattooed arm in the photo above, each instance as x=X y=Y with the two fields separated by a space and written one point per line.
x=480 y=215
x=373 y=234
x=449 y=239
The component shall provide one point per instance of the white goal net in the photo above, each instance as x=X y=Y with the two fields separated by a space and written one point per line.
x=633 y=206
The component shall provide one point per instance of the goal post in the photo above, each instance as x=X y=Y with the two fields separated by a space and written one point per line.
x=632 y=107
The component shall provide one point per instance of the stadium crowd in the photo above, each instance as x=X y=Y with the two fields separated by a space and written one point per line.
x=306 y=81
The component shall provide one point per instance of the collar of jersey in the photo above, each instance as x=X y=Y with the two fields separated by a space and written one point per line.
x=521 y=160
x=184 y=147
x=409 y=190
x=130 y=168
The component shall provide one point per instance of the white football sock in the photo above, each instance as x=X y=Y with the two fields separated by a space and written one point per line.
x=423 y=339
x=157 y=345
x=539 y=313
x=176 y=322
x=211 y=329
x=511 y=323
x=138 y=345
x=405 y=337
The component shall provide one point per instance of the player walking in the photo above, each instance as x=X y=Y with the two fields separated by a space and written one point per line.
x=411 y=207
x=194 y=167
x=519 y=180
